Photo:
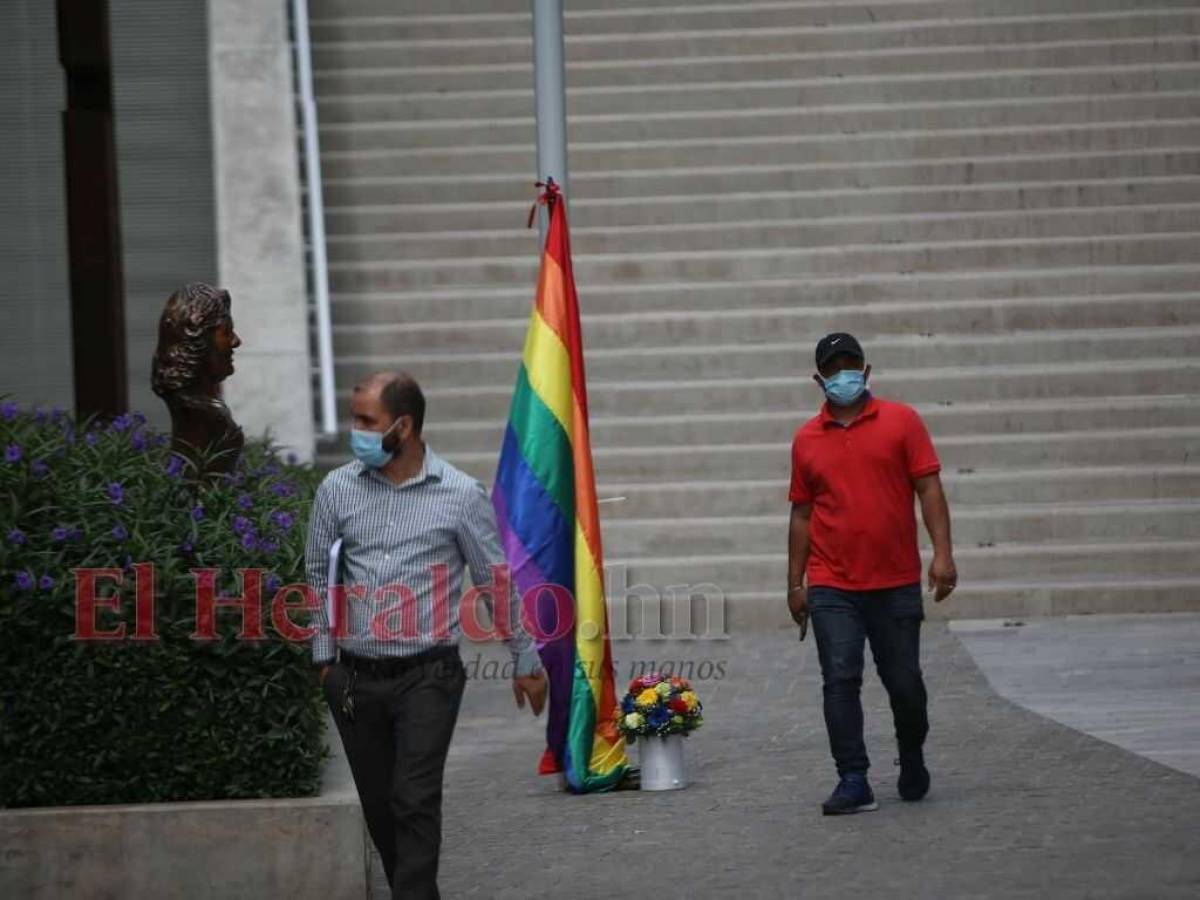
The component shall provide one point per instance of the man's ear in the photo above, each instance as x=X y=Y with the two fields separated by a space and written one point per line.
x=866 y=373
x=820 y=383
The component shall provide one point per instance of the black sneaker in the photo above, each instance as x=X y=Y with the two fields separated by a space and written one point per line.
x=852 y=795
x=913 y=783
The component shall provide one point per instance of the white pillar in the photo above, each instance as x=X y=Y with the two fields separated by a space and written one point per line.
x=260 y=243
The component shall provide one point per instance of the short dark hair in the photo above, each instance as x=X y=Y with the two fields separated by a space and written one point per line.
x=400 y=394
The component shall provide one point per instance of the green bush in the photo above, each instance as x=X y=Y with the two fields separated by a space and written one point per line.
x=136 y=721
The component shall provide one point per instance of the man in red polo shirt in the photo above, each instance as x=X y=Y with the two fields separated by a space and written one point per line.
x=854 y=565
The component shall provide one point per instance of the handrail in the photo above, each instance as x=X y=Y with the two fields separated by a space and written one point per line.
x=316 y=216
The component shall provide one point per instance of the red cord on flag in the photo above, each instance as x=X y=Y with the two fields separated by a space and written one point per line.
x=549 y=196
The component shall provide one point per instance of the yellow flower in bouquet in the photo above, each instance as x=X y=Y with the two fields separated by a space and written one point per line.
x=664 y=689
x=634 y=720
x=648 y=697
x=689 y=697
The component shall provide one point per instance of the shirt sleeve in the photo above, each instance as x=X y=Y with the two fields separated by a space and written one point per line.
x=919 y=454
x=322 y=532
x=799 y=491
x=479 y=541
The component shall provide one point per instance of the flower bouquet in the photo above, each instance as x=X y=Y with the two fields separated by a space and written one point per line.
x=661 y=710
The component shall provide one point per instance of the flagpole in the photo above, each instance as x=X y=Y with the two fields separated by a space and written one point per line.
x=550 y=95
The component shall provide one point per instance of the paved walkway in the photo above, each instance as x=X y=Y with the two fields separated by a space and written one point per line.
x=1131 y=680
x=1022 y=806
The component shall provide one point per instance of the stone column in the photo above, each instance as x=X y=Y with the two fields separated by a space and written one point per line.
x=260 y=245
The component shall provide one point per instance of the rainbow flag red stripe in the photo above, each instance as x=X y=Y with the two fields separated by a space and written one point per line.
x=545 y=501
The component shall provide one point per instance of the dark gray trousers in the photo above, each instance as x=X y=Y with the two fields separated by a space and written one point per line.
x=396 y=745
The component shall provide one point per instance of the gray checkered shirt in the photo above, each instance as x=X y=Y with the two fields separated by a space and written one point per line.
x=393 y=534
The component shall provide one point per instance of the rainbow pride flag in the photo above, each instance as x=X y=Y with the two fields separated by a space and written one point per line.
x=545 y=501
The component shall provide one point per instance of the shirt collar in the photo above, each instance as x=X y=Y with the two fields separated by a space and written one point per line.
x=868 y=412
x=433 y=467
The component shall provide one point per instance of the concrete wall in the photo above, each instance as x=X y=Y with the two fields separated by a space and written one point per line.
x=237 y=850
x=259 y=233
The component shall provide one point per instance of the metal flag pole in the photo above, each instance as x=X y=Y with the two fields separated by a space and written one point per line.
x=550 y=94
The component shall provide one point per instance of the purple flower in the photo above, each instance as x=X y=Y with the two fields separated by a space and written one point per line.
x=161 y=440
x=138 y=440
x=121 y=423
x=16 y=536
x=245 y=501
x=56 y=413
x=268 y=546
x=138 y=418
x=68 y=435
x=242 y=525
x=271 y=584
x=91 y=437
x=198 y=512
x=77 y=534
x=292 y=459
x=23 y=581
x=128 y=562
x=175 y=466
x=116 y=493
x=60 y=534
x=282 y=520
x=46 y=583
x=283 y=489
x=249 y=542
x=186 y=548
x=13 y=453
x=39 y=469
x=39 y=415
x=119 y=533
x=9 y=411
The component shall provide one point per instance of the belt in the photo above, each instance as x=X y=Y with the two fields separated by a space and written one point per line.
x=390 y=667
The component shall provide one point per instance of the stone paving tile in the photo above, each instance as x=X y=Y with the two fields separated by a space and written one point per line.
x=1021 y=806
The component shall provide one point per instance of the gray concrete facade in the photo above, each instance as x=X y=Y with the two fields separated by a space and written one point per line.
x=260 y=246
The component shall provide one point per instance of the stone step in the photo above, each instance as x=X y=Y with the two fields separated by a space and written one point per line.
x=601 y=11
x=1009 y=599
x=1042 y=563
x=384 y=21
x=714 y=96
x=360 y=205
x=774 y=122
x=747 y=264
x=1138 y=284
x=748 y=427
x=1075 y=484
x=518 y=76
x=674 y=43
x=1117 y=447
x=392 y=341
x=972 y=526
x=874 y=225
x=461 y=168
x=887 y=352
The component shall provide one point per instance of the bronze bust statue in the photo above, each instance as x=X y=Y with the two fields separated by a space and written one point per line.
x=196 y=341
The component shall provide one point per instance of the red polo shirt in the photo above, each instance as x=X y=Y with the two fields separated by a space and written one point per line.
x=859 y=480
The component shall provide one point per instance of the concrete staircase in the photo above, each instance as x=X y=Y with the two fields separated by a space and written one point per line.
x=1001 y=198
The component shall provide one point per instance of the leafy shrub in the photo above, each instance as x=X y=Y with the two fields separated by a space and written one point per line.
x=169 y=719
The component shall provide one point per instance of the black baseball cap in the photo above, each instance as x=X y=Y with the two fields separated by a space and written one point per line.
x=838 y=342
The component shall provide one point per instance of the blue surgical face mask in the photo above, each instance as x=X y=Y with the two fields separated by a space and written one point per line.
x=844 y=388
x=367 y=447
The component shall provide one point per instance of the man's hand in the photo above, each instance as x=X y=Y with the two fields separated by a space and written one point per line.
x=943 y=577
x=797 y=601
x=533 y=687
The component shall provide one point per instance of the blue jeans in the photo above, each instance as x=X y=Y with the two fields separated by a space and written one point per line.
x=891 y=620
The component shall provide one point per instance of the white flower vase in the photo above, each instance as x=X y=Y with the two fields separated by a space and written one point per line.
x=662 y=767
